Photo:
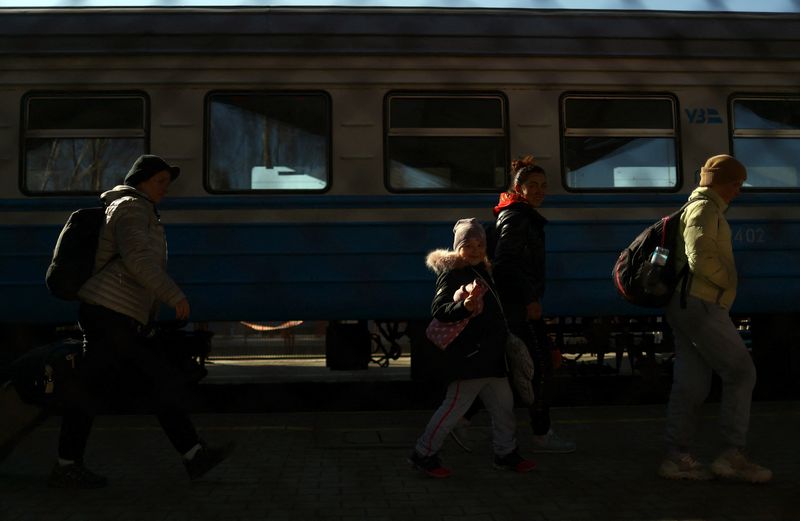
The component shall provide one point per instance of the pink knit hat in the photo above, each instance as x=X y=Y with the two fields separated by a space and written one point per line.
x=466 y=229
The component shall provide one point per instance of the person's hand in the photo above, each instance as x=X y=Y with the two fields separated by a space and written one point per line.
x=182 y=310
x=471 y=302
x=534 y=310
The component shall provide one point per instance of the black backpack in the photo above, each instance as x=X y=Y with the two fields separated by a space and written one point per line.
x=74 y=254
x=637 y=279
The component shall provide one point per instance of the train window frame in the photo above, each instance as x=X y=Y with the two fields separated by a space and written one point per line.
x=745 y=133
x=27 y=134
x=439 y=132
x=267 y=92
x=674 y=134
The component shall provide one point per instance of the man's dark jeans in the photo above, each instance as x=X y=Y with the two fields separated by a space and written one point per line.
x=117 y=354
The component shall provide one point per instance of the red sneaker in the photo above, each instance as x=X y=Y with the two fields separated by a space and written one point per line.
x=513 y=461
x=430 y=465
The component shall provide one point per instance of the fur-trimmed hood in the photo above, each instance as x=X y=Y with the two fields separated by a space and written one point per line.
x=440 y=261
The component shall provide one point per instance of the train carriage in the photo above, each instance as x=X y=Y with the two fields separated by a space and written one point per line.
x=326 y=149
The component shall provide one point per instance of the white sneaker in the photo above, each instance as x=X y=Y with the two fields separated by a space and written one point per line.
x=684 y=466
x=552 y=443
x=733 y=464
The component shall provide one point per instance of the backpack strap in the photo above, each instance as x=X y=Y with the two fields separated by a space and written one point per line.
x=684 y=274
x=496 y=298
x=99 y=238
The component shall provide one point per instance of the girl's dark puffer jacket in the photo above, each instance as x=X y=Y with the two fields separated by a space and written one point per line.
x=479 y=351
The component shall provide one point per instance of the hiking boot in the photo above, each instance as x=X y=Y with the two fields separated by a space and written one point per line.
x=460 y=434
x=734 y=464
x=206 y=459
x=513 y=461
x=684 y=466
x=75 y=476
x=552 y=443
x=430 y=465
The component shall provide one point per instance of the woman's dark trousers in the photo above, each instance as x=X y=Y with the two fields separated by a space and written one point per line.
x=534 y=335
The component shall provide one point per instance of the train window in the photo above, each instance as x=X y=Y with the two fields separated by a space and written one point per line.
x=619 y=142
x=80 y=142
x=268 y=141
x=453 y=142
x=766 y=138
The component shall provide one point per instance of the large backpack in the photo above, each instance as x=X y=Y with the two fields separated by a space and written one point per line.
x=74 y=254
x=637 y=279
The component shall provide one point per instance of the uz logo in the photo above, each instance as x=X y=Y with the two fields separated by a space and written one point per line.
x=703 y=116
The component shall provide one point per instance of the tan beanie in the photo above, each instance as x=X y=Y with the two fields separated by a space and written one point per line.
x=722 y=169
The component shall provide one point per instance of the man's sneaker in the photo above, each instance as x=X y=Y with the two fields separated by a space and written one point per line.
x=430 y=465
x=206 y=459
x=460 y=434
x=513 y=461
x=733 y=464
x=75 y=476
x=684 y=466
x=552 y=443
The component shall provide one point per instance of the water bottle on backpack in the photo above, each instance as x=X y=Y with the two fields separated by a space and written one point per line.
x=653 y=279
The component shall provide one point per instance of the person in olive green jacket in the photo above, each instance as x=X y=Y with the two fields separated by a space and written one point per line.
x=706 y=339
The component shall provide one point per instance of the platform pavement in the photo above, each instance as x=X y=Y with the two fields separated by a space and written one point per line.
x=351 y=465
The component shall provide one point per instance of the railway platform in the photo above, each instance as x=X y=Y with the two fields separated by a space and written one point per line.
x=350 y=465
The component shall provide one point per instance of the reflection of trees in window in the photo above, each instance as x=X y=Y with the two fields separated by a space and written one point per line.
x=78 y=143
x=79 y=165
x=89 y=149
x=268 y=141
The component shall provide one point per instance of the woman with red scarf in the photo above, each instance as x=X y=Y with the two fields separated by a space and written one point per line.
x=519 y=270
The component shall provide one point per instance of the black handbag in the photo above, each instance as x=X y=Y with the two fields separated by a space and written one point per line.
x=185 y=351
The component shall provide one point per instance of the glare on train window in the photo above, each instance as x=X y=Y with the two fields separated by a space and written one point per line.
x=446 y=142
x=766 y=138
x=78 y=142
x=270 y=141
x=619 y=142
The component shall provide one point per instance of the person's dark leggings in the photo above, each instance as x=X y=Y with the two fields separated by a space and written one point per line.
x=533 y=334
x=116 y=353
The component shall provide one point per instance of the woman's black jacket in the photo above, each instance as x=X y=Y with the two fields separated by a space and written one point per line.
x=519 y=258
x=479 y=351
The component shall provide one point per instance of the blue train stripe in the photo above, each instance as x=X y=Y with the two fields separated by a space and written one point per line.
x=376 y=270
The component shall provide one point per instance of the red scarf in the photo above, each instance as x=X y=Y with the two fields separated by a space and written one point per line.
x=507 y=199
